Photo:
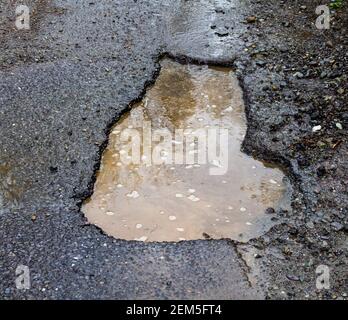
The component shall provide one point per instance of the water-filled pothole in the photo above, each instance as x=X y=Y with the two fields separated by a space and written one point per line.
x=193 y=120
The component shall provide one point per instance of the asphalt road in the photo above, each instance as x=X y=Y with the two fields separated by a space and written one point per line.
x=66 y=81
x=85 y=64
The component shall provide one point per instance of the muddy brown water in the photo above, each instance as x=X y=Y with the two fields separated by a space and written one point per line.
x=173 y=169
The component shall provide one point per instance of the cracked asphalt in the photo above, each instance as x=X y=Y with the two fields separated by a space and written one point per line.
x=66 y=81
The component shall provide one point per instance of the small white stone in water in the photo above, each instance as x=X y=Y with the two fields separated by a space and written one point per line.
x=273 y=181
x=249 y=224
x=339 y=126
x=179 y=195
x=230 y=208
x=193 y=198
x=139 y=226
x=141 y=239
x=213 y=106
x=119 y=185
x=180 y=229
x=162 y=212
x=227 y=221
x=191 y=190
x=253 y=167
x=182 y=239
x=119 y=164
x=110 y=213
x=229 y=109
x=242 y=209
x=224 y=181
x=133 y=194
x=216 y=163
x=316 y=128
x=172 y=218
x=217 y=219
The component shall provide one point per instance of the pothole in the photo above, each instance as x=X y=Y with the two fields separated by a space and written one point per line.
x=173 y=169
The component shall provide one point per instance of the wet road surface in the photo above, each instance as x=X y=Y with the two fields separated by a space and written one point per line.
x=66 y=82
x=63 y=85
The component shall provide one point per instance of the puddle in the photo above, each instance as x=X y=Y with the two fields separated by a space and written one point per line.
x=207 y=187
